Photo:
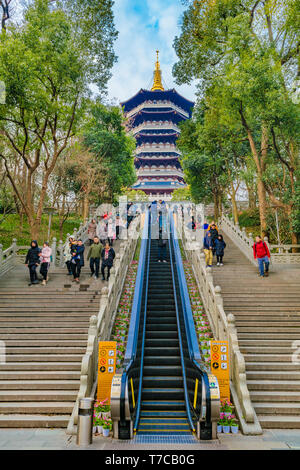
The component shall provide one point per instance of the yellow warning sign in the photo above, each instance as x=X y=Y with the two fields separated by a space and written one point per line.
x=106 y=369
x=220 y=366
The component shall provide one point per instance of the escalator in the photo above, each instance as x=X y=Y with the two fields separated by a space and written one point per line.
x=163 y=388
x=163 y=407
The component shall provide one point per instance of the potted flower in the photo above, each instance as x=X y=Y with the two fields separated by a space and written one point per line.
x=106 y=412
x=220 y=423
x=234 y=425
x=226 y=407
x=106 y=427
x=226 y=424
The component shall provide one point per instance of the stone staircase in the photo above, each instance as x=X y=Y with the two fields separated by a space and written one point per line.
x=45 y=332
x=267 y=314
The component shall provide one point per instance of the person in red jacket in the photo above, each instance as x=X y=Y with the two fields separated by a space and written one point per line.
x=262 y=254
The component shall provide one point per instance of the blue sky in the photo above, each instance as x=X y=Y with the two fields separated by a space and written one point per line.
x=145 y=26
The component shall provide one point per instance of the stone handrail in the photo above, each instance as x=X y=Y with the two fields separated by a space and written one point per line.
x=238 y=236
x=280 y=254
x=224 y=329
x=101 y=325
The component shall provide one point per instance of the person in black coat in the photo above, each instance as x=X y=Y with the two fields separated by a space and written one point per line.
x=107 y=257
x=32 y=261
x=162 y=248
x=77 y=262
x=214 y=235
x=220 y=246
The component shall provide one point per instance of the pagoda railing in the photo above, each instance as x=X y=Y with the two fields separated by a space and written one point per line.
x=156 y=149
x=159 y=172
x=158 y=104
x=159 y=126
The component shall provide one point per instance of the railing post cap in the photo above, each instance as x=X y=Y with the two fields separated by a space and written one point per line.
x=14 y=240
x=218 y=289
x=104 y=291
x=209 y=270
x=93 y=320
x=230 y=318
x=266 y=239
x=54 y=239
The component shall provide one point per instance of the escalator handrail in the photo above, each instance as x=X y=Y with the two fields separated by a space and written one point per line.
x=139 y=397
x=193 y=346
x=132 y=340
x=137 y=299
x=186 y=395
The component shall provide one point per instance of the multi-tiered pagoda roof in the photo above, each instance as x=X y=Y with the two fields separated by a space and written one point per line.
x=153 y=118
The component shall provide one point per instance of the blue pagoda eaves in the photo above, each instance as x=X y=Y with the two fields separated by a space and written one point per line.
x=167 y=95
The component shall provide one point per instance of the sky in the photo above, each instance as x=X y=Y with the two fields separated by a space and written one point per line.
x=145 y=26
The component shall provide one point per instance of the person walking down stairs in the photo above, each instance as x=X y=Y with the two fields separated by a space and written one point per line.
x=107 y=256
x=262 y=254
x=162 y=248
x=94 y=256
x=220 y=246
x=45 y=258
x=32 y=261
x=208 y=249
x=92 y=227
x=77 y=259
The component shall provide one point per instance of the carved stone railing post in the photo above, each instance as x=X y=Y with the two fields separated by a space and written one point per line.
x=61 y=253
x=1 y=254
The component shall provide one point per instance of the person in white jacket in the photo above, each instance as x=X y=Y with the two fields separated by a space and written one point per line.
x=101 y=231
x=45 y=257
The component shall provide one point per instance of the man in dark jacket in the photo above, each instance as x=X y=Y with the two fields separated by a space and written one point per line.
x=107 y=256
x=77 y=261
x=214 y=235
x=32 y=261
x=94 y=256
x=208 y=249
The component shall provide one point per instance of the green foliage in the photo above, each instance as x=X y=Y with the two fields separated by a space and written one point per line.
x=105 y=137
x=249 y=218
x=182 y=194
x=10 y=228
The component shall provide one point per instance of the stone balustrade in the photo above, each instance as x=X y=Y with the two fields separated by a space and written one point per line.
x=280 y=254
x=223 y=328
x=101 y=325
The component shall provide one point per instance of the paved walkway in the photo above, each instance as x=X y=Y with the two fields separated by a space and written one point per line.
x=57 y=439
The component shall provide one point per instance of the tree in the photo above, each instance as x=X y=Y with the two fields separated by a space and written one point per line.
x=246 y=55
x=6 y=7
x=47 y=84
x=104 y=136
x=181 y=194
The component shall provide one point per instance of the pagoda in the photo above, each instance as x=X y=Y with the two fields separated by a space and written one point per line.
x=153 y=117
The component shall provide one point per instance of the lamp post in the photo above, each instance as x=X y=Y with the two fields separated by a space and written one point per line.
x=50 y=211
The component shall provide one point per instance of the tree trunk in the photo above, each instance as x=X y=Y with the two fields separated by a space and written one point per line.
x=86 y=206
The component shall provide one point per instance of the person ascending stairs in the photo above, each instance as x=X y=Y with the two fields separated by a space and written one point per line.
x=32 y=261
x=262 y=254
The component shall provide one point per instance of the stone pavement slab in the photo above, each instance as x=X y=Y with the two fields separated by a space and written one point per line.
x=57 y=439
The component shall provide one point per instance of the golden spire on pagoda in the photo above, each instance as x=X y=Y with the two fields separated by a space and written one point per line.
x=157 y=83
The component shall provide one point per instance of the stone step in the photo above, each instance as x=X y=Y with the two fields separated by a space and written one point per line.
x=56 y=408
x=268 y=358
x=46 y=343
x=278 y=408
x=265 y=335
x=279 y=421
x=45 y=350
x=266 y=349
x=37 y=396
x=54 y=366
x=268 y=329
x=46 y=330
x=57 y=336
x=266 y=324
x=267 y=396
x=33 y=421
x=271 y=366
x=280 y=385
x=271 y=342
x=40 y=375
x=273 y=375
x=39 y=385
x=43 y=358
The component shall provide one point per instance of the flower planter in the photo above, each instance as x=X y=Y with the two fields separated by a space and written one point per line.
x=219 y=428
x=99 y=429
x=94 y=429
x=106 y=432
x=234 y=429
x=226 y=429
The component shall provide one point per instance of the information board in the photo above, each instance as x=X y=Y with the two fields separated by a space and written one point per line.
x=220 y=366
x=106 y=369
